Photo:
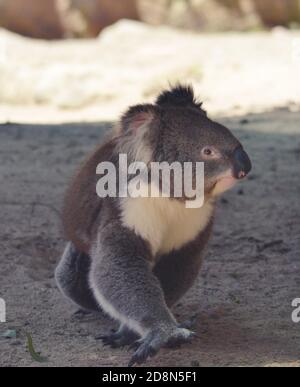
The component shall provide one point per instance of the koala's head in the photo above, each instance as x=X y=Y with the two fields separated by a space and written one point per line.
x=176 y=128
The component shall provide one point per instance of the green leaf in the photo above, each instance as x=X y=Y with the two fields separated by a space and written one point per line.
x=35 y=356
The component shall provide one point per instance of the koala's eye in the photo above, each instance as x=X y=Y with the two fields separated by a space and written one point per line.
x=208 y=152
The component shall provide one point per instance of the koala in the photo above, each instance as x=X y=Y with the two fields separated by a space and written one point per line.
x=135 y=257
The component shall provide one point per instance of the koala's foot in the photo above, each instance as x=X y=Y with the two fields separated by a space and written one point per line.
x=155 y=340
x=119 y=339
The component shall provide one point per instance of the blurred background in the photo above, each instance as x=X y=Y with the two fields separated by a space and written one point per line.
x=89 y=59
x=58 y=19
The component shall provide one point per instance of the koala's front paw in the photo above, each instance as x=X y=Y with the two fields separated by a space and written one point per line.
x=155 y=340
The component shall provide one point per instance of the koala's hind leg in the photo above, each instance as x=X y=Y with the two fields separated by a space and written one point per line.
x=72 y=275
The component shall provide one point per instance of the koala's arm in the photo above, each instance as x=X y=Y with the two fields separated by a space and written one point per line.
x=123 y=282
x=178 y=270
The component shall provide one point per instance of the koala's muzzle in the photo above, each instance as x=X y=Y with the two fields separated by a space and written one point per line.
x=242 y=163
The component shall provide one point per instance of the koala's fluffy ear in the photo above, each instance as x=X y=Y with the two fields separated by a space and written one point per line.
x=138 y=116
x=180 y=95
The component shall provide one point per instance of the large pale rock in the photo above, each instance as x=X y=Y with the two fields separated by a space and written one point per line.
x=34 y=18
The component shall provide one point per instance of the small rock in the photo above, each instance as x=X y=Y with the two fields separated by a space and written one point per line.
x=244 y=121
x=9 y=334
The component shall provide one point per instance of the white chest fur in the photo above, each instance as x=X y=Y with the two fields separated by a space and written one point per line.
x=166 y=224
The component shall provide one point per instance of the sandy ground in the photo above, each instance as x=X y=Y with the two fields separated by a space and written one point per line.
x=248 y=281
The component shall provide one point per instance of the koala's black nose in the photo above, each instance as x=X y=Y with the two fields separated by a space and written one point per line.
x=242 y=163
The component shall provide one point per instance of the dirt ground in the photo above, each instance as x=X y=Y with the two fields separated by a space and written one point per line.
x=249 y=278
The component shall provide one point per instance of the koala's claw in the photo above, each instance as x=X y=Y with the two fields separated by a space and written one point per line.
x=154 y=341
x=143 y=352
x=135 y=345
x=118 y=339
